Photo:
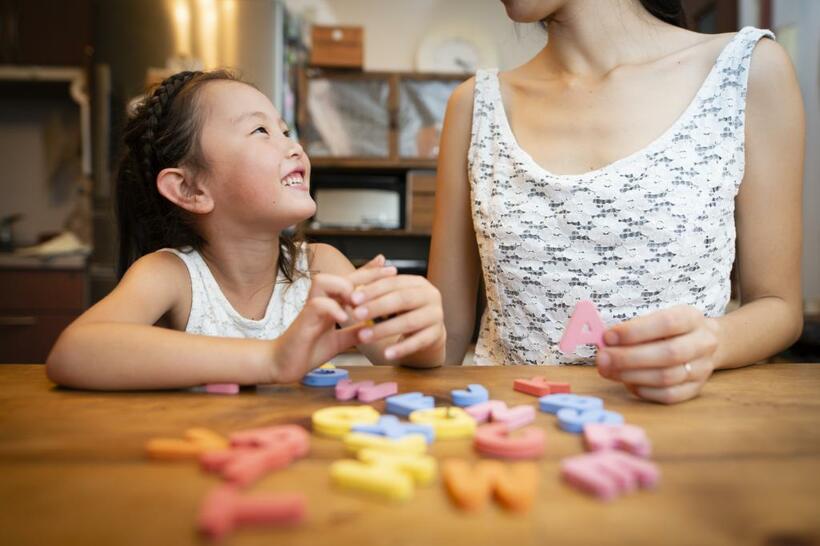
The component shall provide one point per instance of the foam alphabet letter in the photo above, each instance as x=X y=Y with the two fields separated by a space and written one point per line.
x=390 y=427
x=607 y=474
x=406 y=403
x=225 y=508
x=551 y=403
x=475 y=394
x=572 y=420
x=629 y=438
x=470 y=485
x=584 y=327
x=386 y=474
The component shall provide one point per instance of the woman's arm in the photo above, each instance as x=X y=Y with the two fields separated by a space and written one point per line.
x=454 y=264
x=115 y=345
x=667 y=356
x=769 y=215
x=414 y=337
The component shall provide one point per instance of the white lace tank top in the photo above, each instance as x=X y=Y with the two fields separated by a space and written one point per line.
x=213 y=315
x=646 y=232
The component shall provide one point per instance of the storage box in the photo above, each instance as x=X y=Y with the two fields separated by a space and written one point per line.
x=338 y=47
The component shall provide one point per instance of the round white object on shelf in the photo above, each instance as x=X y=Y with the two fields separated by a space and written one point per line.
x=455 y=51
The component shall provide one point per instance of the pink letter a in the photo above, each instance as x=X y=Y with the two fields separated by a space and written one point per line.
x=585 y=314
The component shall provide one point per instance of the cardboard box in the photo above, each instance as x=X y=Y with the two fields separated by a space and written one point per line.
x=337 y=47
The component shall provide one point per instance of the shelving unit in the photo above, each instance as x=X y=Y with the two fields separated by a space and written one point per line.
x=375 y=126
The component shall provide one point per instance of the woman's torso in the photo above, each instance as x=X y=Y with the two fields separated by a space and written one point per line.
x=623 y=195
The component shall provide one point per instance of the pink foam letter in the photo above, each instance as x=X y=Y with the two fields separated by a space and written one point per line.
x=584 y=314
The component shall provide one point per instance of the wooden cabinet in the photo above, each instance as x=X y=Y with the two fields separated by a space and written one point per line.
x=35 y=306
x=45 y=32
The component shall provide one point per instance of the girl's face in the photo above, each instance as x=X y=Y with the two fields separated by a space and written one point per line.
x=257 y=176
x=532 y=11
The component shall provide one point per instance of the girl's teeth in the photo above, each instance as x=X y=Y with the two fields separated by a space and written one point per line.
x=291 y=180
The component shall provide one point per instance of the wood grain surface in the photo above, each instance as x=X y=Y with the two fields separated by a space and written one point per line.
x=740 y=465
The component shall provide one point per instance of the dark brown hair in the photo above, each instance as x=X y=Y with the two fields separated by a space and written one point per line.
x=668 y=11
x=164 y=132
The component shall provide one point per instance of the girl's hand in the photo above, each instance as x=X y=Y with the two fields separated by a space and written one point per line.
x=313 y=339
x=666 y=356
x=413 y=306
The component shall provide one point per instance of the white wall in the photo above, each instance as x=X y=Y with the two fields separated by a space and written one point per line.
x=394 y=29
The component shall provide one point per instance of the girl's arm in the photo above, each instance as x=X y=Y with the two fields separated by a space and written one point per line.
x=413 y=336
x=668 y=356
x=115 y=345
x=454 y=264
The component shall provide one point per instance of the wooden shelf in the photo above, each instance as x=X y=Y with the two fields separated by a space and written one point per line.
x=371 y=163
x=326 y=232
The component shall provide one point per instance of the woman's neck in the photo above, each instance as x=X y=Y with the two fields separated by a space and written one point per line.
x=590 y=38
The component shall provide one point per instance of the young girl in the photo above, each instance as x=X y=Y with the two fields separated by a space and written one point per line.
x=618 y=165
x=214 y=291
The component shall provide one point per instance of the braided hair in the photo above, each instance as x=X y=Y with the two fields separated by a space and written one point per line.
x=164 y=132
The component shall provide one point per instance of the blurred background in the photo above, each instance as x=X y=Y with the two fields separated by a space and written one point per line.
x=363 y=82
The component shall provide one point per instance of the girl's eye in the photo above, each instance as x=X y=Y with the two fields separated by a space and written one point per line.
x=286 y=132
x=263 y=129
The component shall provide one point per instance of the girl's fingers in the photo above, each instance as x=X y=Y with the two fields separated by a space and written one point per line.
x=366 y=275
x=396 y=302
x=658 y=325
x=406 y=323
x=698 y=370
x=670 y=395
x=323 y=284
x=416 y=342
x=613 y=361
x=322 y=307
x=345 y=338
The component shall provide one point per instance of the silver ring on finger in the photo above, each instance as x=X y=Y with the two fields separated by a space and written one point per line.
x=688 y=369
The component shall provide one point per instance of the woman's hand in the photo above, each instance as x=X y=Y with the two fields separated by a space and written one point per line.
x=313 y=338
x=413 y=306
x=666 y=356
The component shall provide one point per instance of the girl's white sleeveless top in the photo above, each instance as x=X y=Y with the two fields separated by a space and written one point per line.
x=648 y=231
x=213 y=315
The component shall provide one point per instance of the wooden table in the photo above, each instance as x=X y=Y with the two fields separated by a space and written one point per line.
x=740 y=465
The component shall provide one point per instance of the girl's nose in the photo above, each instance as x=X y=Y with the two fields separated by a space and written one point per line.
x=295 y=149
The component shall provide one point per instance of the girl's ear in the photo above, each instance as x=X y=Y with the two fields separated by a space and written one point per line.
x=179 y=187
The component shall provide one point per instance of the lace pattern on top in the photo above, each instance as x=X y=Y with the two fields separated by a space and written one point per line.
x=651 y=230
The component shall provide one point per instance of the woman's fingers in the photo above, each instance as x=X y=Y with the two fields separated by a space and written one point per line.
x=614 y=361
x=669 y=395
x=697 y=370
x=394 y=302
x=658 y=325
